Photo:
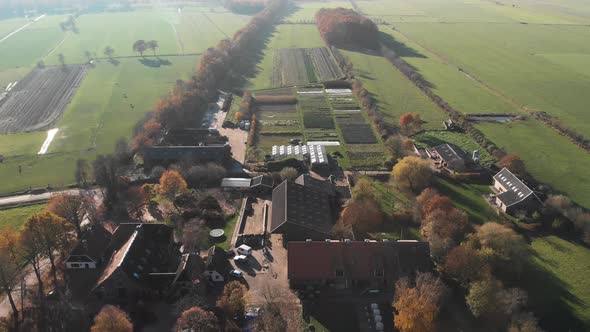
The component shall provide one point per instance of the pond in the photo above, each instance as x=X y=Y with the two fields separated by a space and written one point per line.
x=492 y=118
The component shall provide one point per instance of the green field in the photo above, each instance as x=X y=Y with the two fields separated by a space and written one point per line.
x=14 y=218
x=113 y=96
x=395 y=94
x=467 y=197
x=558 y=286
x=481 y=58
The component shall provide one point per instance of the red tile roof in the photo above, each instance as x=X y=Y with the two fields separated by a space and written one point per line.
x=356 y=259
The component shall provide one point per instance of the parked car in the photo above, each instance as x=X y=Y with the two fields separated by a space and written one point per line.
x=230 y=253
x=244 y=250
x=240 y=259
x=236 y=274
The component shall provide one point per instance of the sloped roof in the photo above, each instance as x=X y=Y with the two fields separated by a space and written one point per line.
x=516 y=190
x=448 y=153
x=316 y=184
x=93 y=243
x=144 y=253
x=301 y=206
x=313 y=260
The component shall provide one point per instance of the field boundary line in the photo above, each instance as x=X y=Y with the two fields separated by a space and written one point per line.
x=215 y=25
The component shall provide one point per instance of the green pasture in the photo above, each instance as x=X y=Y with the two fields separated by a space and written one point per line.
x=305 y=11
x=175 y=33
x=113 y=96
x=395 y=94
x=521 y=62
x=14 y=218
x=467 y=197
x=457 y=88
x=558 y=284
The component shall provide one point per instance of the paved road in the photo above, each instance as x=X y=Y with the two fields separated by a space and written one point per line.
x=20 y=199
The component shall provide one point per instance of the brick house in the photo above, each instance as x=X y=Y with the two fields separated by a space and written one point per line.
x=354 y=264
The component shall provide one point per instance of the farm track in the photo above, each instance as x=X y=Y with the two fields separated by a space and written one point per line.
x=38 y=101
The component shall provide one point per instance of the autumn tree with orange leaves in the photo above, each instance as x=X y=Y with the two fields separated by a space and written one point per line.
x=73 y=208
x=412 y=173
x=171 y=185
x=513 y=163
x=111 y=319
x=362 y=215
x=417 y=304
x=49 y=234
x=197 y=320
x=410 y=123
x=341 y=26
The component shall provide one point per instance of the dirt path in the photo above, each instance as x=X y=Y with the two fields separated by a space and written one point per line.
x=30 y=281
x=237 y=137
x=178 y=38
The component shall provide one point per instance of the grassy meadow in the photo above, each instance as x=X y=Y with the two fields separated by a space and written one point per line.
x=483 y=57
x=113 y=96
x=14 y=218
x=558 y=287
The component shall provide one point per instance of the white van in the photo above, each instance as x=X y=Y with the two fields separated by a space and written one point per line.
x=244 y=250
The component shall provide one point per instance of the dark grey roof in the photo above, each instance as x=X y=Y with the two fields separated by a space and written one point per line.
x=302 y=206
x=516 y=190
x=93 y=243
x=202 y=153
x=316 y=184
x=449 y=153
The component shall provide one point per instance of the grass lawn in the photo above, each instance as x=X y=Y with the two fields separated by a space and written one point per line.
x=467 y=197
x=14 y=218
x=558 y=285
x=229 y=228
x=395 y=94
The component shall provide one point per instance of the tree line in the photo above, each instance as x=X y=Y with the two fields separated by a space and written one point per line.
x=220 y=68
x=346 y=27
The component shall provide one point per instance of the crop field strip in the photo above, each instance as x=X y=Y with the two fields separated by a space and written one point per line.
x=315 y=109
x=38 y=101
x=302 y=66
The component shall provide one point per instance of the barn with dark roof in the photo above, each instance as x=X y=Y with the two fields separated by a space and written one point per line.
x=512 y=195
x=301 y=212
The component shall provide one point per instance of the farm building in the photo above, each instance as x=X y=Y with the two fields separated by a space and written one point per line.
x=315 y=154
x=355 y=264
x=261 y=184
x=447 y=156
x=165 y=155
x=301 y=212
x=88 y=253
x=145 y=263
x=512 y=195
x=199 y=145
